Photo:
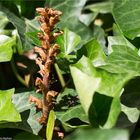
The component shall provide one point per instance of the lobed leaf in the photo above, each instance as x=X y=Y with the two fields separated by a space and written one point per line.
x=73 y=112
x=29 y=114
x=102 y=7
x=123 y=60
x=6 y=51
x=68 y=42
x=127 y=14
x=91 y=80
x=7 y=107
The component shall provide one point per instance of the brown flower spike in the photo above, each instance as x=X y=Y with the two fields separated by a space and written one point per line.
x=46 y=56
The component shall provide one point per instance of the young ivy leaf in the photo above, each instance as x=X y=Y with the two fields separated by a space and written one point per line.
x=7 y=108
x=68 y=42
x=6 y=51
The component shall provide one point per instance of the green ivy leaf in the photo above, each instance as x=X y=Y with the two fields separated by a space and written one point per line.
x=123 y=60
x=68 y=41
x=73 y=112
x=102 y=7
x=97 y=134
x=12 y=13
x=94 y=52
x=87 y=18
x=84 y=83
x=33 y=37
x=3 y=20
x=6 y=51
x=29 y=114
x=8 y=113
x=22 y=104
x=118 y=40
x=127 y=14
x=91 y=80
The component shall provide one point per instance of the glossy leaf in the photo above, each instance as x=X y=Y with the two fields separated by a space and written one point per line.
x=118 y=40
x=87 y=18
x=6 y=51
x=12 y=13
x=28 y=112
x=99 y=35
x=13 y=17
x=22 y=104
x=68 y=41
x=66 y=92
x=50 y=125
x=123 y=60
x=94 y=52
x=7 y=108
x=73 y=112
x=91 y=80
x=33 y=38
x=104 y=7
x=127 y=14
x=96 y=134
x=84 y=83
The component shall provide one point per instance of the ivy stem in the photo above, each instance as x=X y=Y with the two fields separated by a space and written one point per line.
x=21 y=80
x=59 y=74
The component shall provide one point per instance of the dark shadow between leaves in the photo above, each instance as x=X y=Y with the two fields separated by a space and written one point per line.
x=99 y=109
x=131 y=95
x=124 y=123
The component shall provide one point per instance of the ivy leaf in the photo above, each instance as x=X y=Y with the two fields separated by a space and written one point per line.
x=87 y=18
x=73 y=112
x=127 y=14
x=7 y=108
x=12 y=13
x=32 y=36
x=22 y=104
x=84 y=83
x=6 y=44
x=91 y=80
x=118 y=40
x=98 y=134
x=123 y=60
x=99 y=35
x=32 y=29
x=94 y=52
x=102 y=7
x=68 y=41
x=29 y=114
x=3 y=20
